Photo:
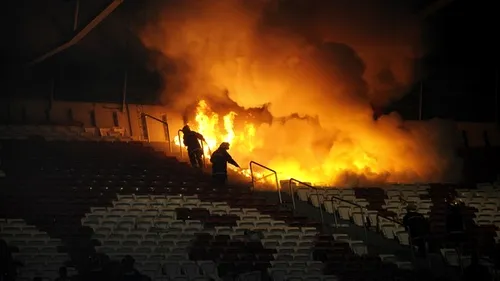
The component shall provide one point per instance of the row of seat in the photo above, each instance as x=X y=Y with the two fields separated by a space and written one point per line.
x=386 y=214
x=65 y=133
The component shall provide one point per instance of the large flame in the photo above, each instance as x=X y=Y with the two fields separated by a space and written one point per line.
x=350 y=161
x=215 y=131
x=330 y=65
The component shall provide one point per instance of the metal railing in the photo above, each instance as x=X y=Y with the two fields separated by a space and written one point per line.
x=335 y=210
x=278 y=187
x=292 y=194
x=407 y=228
x=167 y=129
x=180 y=141
x=181 y=145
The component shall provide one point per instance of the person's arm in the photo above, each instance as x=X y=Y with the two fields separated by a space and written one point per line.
x=231 y=161
x=200 y=136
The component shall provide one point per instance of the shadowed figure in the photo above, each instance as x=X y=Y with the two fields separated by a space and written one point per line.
x=418 y=228
x=455 y=226
x=192 y=140
x=219 y=160
x=232 y=256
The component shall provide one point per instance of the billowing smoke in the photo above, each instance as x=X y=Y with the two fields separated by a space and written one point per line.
x=318 y=67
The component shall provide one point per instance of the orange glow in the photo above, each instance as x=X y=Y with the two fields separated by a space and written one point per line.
x=329 y=71
x=216 y=131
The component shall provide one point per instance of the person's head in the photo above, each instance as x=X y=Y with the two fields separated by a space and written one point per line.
x=37 y=278
x=224 y=145
x=411 y=207
x=63 y=271
x=186 y=129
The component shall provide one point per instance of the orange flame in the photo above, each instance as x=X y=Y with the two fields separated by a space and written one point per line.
x=207 y=123
x=258 y=64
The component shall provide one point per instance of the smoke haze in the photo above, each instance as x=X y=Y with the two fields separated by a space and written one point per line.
x=318 y=67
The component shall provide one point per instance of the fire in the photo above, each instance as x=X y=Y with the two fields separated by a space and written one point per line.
x=215 y=132
x=330 y=71
x=244 y=143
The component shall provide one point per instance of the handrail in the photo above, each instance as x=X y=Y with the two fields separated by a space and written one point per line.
x=290 y=181
x=392 y=219
x=332 y=197
x=181 y=143
x=264 y=177
x=361 y=208
x=278 y=187
x=167 y=129
x=398 y=222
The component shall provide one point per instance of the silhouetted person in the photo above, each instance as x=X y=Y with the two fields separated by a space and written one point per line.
x=418 y=228
x=219 y=160
x=37 y=279
x=476 y=271
x=128 y=272
x=63 y=274
x=192 y=140
x=455 y=226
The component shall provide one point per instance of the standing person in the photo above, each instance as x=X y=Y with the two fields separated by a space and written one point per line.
x=219 y=160
x=418 y=228
x=192 y=140
x=455 y=226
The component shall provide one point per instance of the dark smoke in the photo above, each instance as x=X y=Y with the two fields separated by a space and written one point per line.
x=345 y=33
x=320 y=68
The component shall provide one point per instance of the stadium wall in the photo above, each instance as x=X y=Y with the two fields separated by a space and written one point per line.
x=108 y=115
x=86 y=114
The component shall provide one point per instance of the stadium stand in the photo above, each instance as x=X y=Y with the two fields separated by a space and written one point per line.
x=70 y=196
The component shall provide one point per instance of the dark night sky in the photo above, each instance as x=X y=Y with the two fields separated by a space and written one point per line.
x=459 y=81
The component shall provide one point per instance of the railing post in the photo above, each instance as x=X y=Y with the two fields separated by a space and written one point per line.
x=410 y=238
x=364 y=221
x=334 y=212
x=167 y=128
x=278 y=187
x=292 y=192
x=203 y=153
x=180 y=141
x=251 y=175
x=147 y=127
x=317 y=197
x=165 y=125
x=320 y=208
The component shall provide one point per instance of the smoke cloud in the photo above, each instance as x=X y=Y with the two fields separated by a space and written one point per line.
x=317 y=67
